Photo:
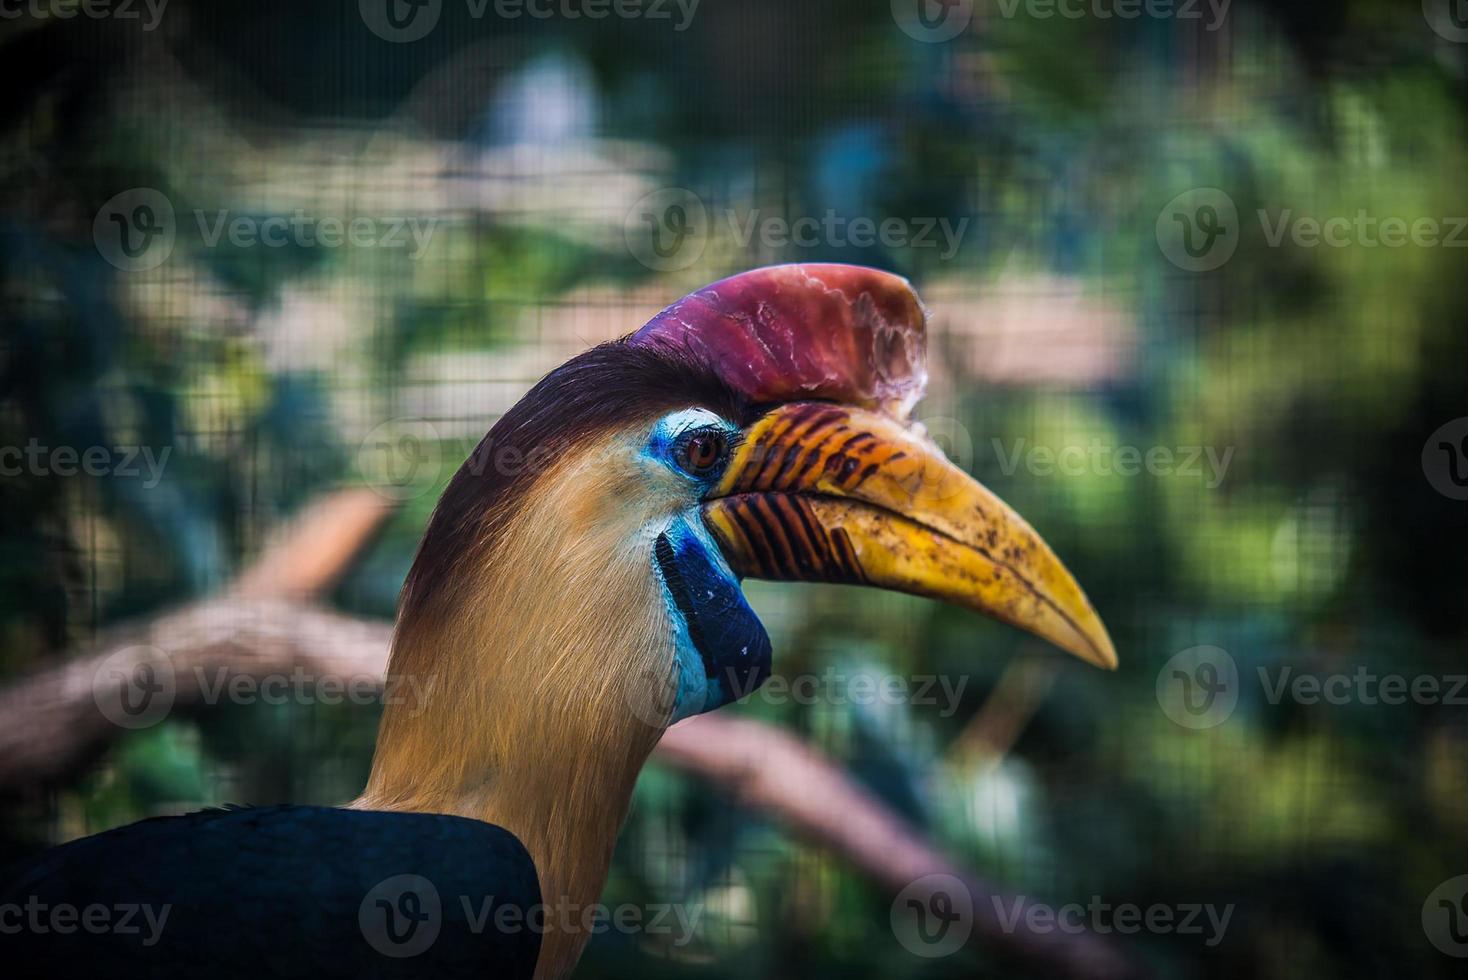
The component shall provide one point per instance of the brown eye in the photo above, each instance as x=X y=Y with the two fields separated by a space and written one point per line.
x=702 y=453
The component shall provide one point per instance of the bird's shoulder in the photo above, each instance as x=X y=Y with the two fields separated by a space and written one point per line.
x=297 y=890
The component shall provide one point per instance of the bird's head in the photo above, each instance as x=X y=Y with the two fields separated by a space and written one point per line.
x=578 y=587
x=756 y=428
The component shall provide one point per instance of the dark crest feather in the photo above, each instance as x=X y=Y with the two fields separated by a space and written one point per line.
x=610 y=385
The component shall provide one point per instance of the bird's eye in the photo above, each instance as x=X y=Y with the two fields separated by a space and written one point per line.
x=701 y=453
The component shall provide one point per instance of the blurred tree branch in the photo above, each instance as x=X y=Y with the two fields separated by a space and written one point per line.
x=265 y=624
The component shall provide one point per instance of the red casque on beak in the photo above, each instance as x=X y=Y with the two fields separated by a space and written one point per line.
x=838 y=333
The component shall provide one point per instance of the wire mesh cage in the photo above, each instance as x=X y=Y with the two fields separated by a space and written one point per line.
x=270 y=274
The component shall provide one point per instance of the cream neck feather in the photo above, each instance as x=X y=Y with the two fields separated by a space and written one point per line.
x=534 y=668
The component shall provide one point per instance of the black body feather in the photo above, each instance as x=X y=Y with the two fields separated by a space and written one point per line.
x=289 y=891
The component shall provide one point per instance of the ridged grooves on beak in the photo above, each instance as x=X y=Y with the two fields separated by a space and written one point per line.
x=828 y=493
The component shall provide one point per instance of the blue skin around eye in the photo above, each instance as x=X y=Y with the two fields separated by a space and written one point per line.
x=721 y=649
x=717 y=623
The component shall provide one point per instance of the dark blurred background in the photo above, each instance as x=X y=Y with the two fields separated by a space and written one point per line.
x=1246 y=437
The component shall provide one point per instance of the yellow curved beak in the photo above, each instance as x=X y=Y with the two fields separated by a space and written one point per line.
x=818 y=492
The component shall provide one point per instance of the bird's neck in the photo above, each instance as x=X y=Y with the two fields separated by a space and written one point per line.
x=532 y=670
x=563 y=798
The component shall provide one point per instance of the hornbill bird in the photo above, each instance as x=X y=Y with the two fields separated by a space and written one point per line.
x=576 y=591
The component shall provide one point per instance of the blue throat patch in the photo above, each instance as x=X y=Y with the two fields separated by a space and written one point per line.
x=732 y=646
